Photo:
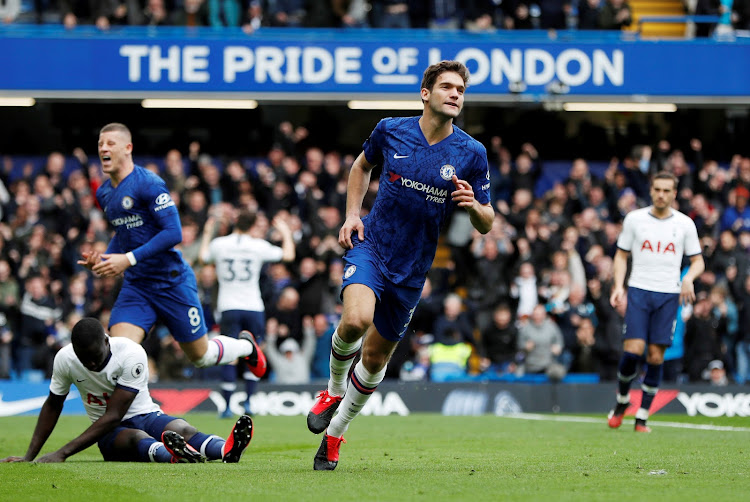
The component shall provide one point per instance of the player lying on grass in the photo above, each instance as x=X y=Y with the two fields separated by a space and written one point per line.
x=111 y=375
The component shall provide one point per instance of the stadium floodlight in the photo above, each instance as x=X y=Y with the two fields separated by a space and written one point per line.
x=385 y=105
x=220 y=104
x=17 y=101
x=620 y=107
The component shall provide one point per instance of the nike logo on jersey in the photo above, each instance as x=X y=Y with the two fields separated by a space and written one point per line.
x=397 y=156
x=195 y=330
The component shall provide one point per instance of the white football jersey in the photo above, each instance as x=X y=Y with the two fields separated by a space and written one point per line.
x=657 y=246
x=239 y=259
x=127 y=368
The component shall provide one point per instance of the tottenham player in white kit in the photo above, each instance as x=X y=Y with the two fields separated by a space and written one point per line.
x=239 y=258
x=111 y=375
x=657 y=237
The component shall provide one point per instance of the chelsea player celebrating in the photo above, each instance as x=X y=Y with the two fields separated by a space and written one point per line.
x=158 y=282
x=430 y=166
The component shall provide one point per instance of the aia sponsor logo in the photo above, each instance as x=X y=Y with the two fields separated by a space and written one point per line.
x=658 y=247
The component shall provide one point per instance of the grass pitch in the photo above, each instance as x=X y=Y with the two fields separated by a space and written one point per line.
x=420 y=457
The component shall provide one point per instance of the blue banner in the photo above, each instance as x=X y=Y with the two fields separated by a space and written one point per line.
x=322 y=64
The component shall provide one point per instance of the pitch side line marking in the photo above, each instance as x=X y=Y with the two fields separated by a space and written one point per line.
x=591 y=420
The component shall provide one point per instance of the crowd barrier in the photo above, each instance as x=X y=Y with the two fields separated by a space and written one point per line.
x=401 y=398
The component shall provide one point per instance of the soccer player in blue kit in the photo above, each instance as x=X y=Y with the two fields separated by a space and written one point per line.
x=158 y=283
x=429 y=167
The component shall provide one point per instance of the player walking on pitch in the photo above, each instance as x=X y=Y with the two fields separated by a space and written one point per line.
x=158 y=282
x=657 y=237
x=429 y=166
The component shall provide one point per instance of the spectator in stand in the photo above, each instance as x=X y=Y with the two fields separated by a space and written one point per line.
x=154 y=14
x=728 y=258
x=707 y=8
x=615 y=15
x=524 y=289
x=702 y=339
x=9 y=10
x=284 y=13
x=705 y=215
x=453 y=319
x=36 y=345
x=227 y=12
x=724 y=313
x=741 y=14
x=75 y=12
x=449 y=356
x=553 y=14
x=736 y=215
x=428 y=309
x=482 y=15
x=588 y=14
x=742 y=338
x=609 y=330
x=517 y=15
x=355 y=14
x=193 y=13
x=542 y=343
x=290 y=362
x=323 y=329
x=569 y=317
x=500 y=342
x=489 y=285
x=286 y=311
x=312 y=281
x=391 y=14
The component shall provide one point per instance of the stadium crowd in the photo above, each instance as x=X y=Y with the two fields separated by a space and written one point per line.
x=530 y=297
x=475 y=15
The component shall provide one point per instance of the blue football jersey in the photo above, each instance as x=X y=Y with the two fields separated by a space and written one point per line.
x=147 y=223
x=414 y=195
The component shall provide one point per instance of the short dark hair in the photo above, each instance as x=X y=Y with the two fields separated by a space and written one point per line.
x=86 y=332
x=117 y=127
x=246 y=219
x=665 y=175
x=434 y=71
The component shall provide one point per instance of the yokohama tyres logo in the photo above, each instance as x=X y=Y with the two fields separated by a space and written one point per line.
x=707 y=404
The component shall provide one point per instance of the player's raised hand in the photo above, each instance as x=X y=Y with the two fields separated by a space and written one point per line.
x=90 y=259
x=352 y=224
x=464 y=194
x=111 y=265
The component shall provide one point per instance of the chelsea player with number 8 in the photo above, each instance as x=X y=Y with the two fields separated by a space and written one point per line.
x=157 y=283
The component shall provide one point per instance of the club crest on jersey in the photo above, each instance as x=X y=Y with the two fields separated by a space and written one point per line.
x=447 y=172
x=137 y=370
x=350 y=271
x=127 y=202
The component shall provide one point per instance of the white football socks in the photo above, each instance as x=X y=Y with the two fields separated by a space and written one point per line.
x=342 y=355
x=361 y=387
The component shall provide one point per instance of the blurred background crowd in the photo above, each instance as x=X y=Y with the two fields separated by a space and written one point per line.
x=530 y=298
x=475 y=15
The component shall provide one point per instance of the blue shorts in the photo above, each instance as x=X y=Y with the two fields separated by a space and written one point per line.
x=651 y=316
x=152 y=424
x=395 y=304
x=234 y=321
x=178 y=307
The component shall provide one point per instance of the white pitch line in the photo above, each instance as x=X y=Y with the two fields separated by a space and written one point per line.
x=656 y=423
